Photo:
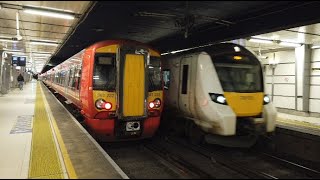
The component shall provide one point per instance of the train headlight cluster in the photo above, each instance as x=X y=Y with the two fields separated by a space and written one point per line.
x=102 y=104
x=266 y=99
x=155 y=103
x=218 y=98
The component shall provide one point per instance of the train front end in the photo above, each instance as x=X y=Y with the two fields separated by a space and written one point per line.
x=126 y=93
x=243 y=110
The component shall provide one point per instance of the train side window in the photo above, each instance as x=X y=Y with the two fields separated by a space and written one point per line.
x=185 y=79
x=166 y=78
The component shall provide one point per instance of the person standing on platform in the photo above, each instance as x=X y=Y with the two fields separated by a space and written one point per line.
x=20 y=80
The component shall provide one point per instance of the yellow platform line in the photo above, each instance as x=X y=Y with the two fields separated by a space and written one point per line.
x=298 y=123
x=70 y=169
x=44 y=159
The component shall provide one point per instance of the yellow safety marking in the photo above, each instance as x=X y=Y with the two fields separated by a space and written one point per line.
x=70 y=169
x=298 y=123
x=44 y=159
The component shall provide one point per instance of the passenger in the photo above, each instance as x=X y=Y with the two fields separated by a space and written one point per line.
x=20 y=80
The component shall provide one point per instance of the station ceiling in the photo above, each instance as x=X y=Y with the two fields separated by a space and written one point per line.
x=174 y=25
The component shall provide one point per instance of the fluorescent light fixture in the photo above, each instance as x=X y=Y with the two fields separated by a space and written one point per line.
x=48 y=13
x=39 y=52
x=290 y=44
x=8 y=40
x=12 y=50
x=315 y=46
x=260 y=41
x=44 y=43
x=263 y=57
x=43 y=40
x=41 y=55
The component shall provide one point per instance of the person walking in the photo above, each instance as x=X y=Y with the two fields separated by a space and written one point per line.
x=20 y=80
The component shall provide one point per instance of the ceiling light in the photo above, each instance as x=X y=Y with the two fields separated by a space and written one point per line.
x=44 y=43
x=315 y=46
x=13 y=50
x=48 y=13
x=8 y=40
x=290 y=44
x=260 y=41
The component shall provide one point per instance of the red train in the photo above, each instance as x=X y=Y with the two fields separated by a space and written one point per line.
x=117 y=87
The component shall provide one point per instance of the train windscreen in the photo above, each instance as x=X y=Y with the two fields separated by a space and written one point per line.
x=239 y=73
x=154 y=74
x=104 y=73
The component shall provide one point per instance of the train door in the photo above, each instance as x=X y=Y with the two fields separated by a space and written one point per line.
x=132 y=82
x=184 y=85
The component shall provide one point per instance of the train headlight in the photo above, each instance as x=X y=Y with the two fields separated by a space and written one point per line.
x=218 y=98
x=100 y=103
x=151 y=105
x=266 y=99
x=157 y=103
x=108 y=106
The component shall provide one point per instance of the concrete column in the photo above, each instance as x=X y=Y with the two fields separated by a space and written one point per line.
x=303 y=59
x=6 y=74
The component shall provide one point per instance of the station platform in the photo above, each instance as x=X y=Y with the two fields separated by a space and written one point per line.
x=308 y=125
x=41 y=139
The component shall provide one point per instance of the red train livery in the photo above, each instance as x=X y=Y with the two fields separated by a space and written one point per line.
x=117 y=87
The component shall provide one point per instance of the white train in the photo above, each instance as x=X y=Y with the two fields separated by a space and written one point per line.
x=220 y=90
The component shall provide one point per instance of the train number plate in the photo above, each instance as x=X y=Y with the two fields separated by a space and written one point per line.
x=133 y=126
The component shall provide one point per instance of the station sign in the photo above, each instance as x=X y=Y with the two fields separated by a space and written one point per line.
x=19 y=60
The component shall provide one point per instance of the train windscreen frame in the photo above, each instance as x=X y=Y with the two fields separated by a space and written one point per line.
x=239 y=72
x=104 y=72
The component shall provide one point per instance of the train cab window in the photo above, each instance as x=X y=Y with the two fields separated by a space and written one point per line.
x=154 y=76
x=239 y=73
x=185 y=79
x=166 y=78
x=104 y=73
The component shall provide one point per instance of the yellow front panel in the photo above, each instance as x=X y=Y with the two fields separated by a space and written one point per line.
x=107 y=96
x=108 y=49
x=245 y=104
x=133 y=85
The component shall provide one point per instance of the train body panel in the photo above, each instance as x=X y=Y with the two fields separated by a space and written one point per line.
x=116 y=85
x=220 y=90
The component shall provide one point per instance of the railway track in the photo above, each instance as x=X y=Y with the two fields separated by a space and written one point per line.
x=251 y=163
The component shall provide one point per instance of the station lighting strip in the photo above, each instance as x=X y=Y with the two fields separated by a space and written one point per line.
x=47 y=12
x=269 y=41
x=50 y=12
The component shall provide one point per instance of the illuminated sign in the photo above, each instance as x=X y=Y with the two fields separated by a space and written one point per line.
x=19 y=60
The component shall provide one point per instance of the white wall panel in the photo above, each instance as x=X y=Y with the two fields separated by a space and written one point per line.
x=285 y=56
x=284 y=102
x=280 y=79
x=315 y=55
x=315 y=80
x=315 y=92
x=314 y=105
x=268 y=89
x=315 y=65
x=285 y=69
x=284 y=89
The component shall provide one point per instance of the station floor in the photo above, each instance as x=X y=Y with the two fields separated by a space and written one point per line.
x=36 y=140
